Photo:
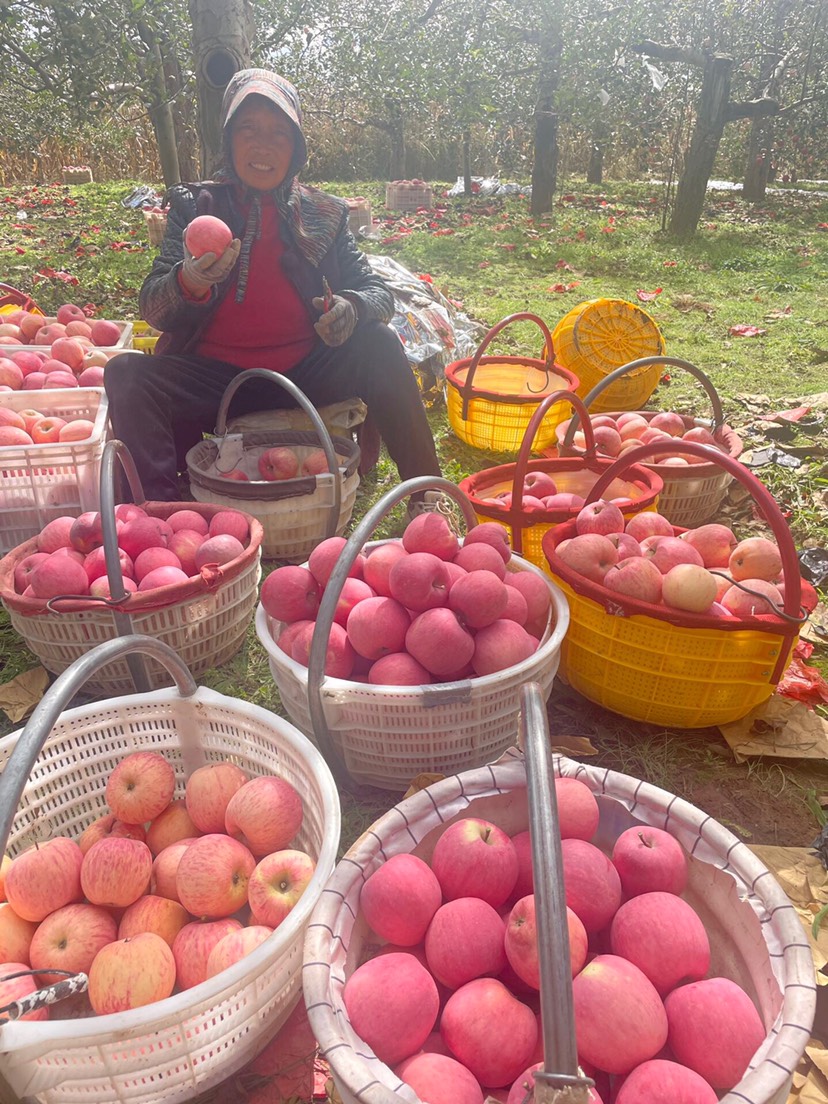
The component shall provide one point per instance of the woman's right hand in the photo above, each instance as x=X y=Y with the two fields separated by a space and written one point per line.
x=199 y=275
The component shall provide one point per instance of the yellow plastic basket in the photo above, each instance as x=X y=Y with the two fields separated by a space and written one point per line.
x=670 y=667
x=144 y=337
x=598 y=336
x=490 y=400
x=573 y=474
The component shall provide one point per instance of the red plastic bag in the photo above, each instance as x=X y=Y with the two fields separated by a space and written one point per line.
x=803 y=683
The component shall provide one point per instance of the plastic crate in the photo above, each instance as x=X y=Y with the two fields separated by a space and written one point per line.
x=41 y=482
x=359 y=214
x=144 y=337
x=77 y=174
x=407 y=195
x=172 y=1050
x=123 y=342
x=155 y=220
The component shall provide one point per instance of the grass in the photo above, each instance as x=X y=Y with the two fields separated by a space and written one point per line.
x=760 y=265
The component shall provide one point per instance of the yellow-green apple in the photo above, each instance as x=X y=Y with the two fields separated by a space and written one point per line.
x=491 y=1032
x=235 y=946
x=323 y=558
x=45 y=878
x=165 y=869
x=192 y=946
x=619 y=1017
x=438 y=641
x=742 y=604
x=116 y=871
x=660 y=1081
x=590 y=554
x=635 y=577
x=714 y=1029
x=154 y=914
x=16 y=935
x=481 y=557
x=501 y=644
x=475 y=858
x=109 y=825
x=400 y=898
x=339 y=653
x=392 y=1003
x=230 y=523
x=664 y=937
x=69 y=940
x=276 y=464
x=277 y=883
x=208 y=791
x=521 y=941
x=439 y=1079
x=265 y=814
x=378 y=563
x=212 y=876
x=649 y=860
x=15 y=988
x=207 y=234
x=171 y=825
x=713 y=542
x=648 y=524
x=689 y=587
x=131 y=973
x=478 y=598
x=291 y=593
x=140 y=787
x=189 y=519
x=420 y=581
x=377 y=626
x=592 y=884
x=430 y=532
x=599 y=517
x=464 y=941
x=755 y=558
x=220 y=549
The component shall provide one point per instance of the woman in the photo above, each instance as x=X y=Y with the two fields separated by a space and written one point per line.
x=260 y=304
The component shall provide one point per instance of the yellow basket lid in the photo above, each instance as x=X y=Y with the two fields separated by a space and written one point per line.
x=606 y=333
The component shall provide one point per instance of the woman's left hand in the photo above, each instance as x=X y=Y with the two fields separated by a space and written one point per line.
x=337 y=324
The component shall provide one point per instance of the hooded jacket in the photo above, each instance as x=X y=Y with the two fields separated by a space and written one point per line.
x=313 y=226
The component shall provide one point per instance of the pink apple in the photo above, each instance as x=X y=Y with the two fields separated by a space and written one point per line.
x=315 y=463
x=16 y=935
x=592 y=884
x=392 y=1004
x=535 y=589
x=377 y=627
x=291 y=594
x=671 y=551
x=230 y=523
x=539 y=484
x=578 y=812
x=713 y=542
x=478 y=598
x=501 y=645
x=192 y=946
x=464 y=941
x=100 y=587
x=45 y=878
x=170 y=826
x=208 y=792
x=276 y=885
x=340 y=657
x=95 y=564
x=564 y=500
x=59 y=574
x=599 y=517
x=207 y=234
x=86 y=533
x=607 y=440
x=235 y=946
x=649 y=860
x=491 y=1032
x=221 y=549
x=648 y=524
x=523 y=1089
x=152 y=558
x=69 y=939
x=714 y=1029
x=475 y=858
x=352 y=593
x=212 y=876
x=143 y=532
x=521 y=942
x=116 y=871
x=439 y=1079
x=689 y=587
x=378 y=563
x=664 y=937
x=735 y=600
x=265 y=814
x=131 y=973
x=701 y=436
x=24 y=568
x=289 y=634
x=128 y=511
x=438 y=641
x=672 y=424
x=55 y=534
x=755 y=558
x=105 y=333
x=628 y=547
x=398 y=669
x=590 y=555
x=664 y=1082
x=191 y=520
x=140 y=787
x=399 y=899
x=184 y=545
x=15 y=988
x=324 y=557
x=106 y=826
x=430 y=532
x=637 y=578
x=159 y=915
x=165 y=869
x=517 y=608
x=619 y=1018
x=91 y=376
x=278 y=463
x=420 y=581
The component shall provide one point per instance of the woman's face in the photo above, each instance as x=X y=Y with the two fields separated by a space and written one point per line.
x=262 y=143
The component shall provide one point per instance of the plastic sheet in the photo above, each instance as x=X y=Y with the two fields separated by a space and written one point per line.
x=488 y=186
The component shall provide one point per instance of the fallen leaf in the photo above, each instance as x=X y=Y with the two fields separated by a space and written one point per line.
x=743 y=330
x=648 y=296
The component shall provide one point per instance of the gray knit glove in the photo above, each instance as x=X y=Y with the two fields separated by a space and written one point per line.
x=337 y=324
x=198 y=276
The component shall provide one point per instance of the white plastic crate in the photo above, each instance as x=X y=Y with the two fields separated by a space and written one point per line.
x=123 y=342
x=406 y=195
x=41 y=482
x=170 y=1051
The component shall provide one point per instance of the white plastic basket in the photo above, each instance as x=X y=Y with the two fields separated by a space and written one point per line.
x=385 y=735
x=124 y=341
x=41 y=482
x=174 y=1049
x=755 y=934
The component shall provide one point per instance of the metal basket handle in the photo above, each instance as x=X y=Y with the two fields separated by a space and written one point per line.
x=560 y=1078
x=311 y=411
x=57 y=697
x=645 y=362
x=330 y=597
x=522 y=316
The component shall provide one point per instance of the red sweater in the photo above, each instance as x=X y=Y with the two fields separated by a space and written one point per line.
x=271 y=327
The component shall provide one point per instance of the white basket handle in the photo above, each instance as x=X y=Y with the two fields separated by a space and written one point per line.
x=330 y=597
x=560 y=1078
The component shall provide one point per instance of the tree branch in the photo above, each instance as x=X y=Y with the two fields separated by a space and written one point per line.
x=430 y=10
x=689 y=55
x=751 y=109
x=799 y=103
x=47 y=81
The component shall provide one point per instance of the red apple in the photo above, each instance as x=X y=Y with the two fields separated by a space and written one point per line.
x=208 y=791
x=490 y=532
x=439 y=1079
x=130 y=973
x=234 y=946
x=116 y=871
x=69 y=939
x=430 y=532
x=590 y=554
x=278 y=463
x=207 y=234
x=265 y=814
x=45 y=878
x=291 y=594
x=592 y=884
x=140 y=787
x=664 y=1082
x=377 y=566
x=192 y=946
x=475 y=858
x=277 y=883
x=400 y=898
x=438 y=641
x=212 y=876
x=420 y=581
x=521 y=942
x=649 y=860
x=491 y=1032
x=464 y=941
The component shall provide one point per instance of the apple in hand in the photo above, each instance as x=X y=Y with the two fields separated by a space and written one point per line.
x=277 y=883
x=207 y=234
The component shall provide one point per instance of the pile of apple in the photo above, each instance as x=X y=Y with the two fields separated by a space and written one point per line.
x=451 y=1000
x=615 y=436
x=72 y=353
x=273 y=465
x=696 y=571
x=417 y=611
x=33 y=427
x=539 y=492
x=158 y=894
x=152 y=552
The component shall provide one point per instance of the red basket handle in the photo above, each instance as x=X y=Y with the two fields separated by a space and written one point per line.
x=522 y=316
x=762 y=496
x=644 y=362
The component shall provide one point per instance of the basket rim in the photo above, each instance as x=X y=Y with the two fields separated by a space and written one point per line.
x=452 y=371
x=211 y=578
x=160 y=1014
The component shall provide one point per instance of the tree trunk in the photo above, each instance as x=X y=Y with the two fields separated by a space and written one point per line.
x=396 y=133
x=183 y=113
x=595 y=171
x=160 y=112
x=467 y=177
x=704 y=144
x=759 y=157
x=222 y=33
x=545 y=167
